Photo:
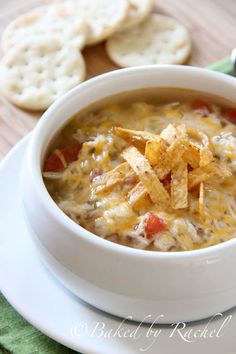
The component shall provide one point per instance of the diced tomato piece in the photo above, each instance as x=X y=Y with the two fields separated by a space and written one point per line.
x=201 y=105
x=54 y=163
x=230 y=114
x=153 y=225
x=71 y=152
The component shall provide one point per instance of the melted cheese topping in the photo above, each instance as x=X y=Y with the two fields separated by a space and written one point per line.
x=110 y=216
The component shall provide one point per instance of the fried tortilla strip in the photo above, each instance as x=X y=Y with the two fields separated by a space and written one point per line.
x=172 y=157
x=198 y=136
x=169 y=133
x=197 y=156
x=138 y=197
x=202 y=174
x=172 y=132
x=204 y=145
x=201 y=206
x=174 y=154
x=111 y=178
x=147 y=176
x=206 y=156
x=155 y=150
x=179 y=186
x=134 y=134
x=181 y=131
x=192 y=156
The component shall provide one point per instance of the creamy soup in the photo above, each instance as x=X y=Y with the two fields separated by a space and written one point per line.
x=151 y=169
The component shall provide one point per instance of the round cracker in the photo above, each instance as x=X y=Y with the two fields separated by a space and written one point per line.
x=45 y=20
x=103 y=17
x=35 y=73
x=158 y=40
x=138 y=11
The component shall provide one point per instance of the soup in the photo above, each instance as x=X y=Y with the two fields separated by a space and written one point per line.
x=151 y=169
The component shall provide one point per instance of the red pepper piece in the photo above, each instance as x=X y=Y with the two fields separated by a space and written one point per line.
x=54 y=163
x=230 y=114
x=71 y=152
x=153 y=225
x=201 y=105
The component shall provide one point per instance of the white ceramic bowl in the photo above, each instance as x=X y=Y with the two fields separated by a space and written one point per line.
x=120 y=280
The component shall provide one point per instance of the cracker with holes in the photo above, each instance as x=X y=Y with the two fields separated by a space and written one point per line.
x=35 y=73
x=104 y=17
x=46 y=20
x=158 y=40
x=138 y=12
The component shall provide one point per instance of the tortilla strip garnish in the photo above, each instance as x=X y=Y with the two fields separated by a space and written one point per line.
x=172 y=157
x=181 y=131
x=138 y=197
x=158 y=165
x=179 y=186
x=201 y=206
x=169 y=134
x=198 y=136
x=134 y=134
x=206 y=155
x=147 y=176
x=172 y=132
x=202 y=174
x=154 y=151
x=197 y=156
x=192 y=156
x=111 y=178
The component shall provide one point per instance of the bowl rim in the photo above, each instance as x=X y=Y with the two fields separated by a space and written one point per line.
x=33 y=160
